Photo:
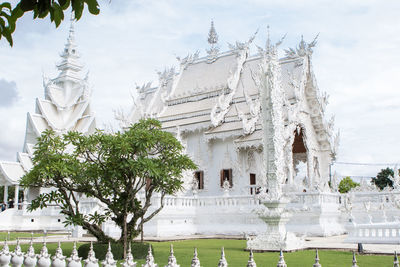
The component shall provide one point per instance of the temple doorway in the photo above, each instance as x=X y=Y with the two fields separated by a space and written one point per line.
x=299 y=156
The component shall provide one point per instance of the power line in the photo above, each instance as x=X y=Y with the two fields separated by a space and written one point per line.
x=365 y=164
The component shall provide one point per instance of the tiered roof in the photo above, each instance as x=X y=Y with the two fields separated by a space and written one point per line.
x=218 y=93
x=66 y=107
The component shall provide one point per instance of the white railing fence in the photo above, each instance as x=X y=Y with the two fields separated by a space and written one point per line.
x=18 y=258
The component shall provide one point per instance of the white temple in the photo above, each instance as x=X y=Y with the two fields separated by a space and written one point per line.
x=254 y=124
x=65 y=107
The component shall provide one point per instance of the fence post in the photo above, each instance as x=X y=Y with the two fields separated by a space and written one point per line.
x=30 y=258
x=91 y=260
x=195 y=260
x=5 y=255
x=74 y=260
x=316 y=264
x=44 y=257
x=281 y=262
x=222 y=262
x=58 y=258
x=251 y=262
x=109 y=260
x=149 y=259
x=171 y=259
x=17 y=258
x=129 y=262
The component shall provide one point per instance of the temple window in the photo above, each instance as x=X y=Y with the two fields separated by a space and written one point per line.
x=199 y=176
x=226 y=174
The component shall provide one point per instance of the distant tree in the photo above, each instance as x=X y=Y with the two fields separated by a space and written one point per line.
x=382 y=178
x=41 y=9
x=121 y=170
x=346 y=184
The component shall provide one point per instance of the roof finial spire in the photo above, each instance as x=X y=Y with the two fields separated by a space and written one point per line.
x=268 y=44
x=212 y=40
x=212 y=35
x=71 y=36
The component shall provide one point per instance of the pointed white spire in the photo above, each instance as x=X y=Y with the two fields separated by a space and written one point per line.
x=91 y=260
x=129 y=261
x=171 y=259
x=354 y=260
x=222 y=262
x=30 y=258
x=316 y=264
x=58 y=258
x=74 y=260
x=70 y=65
x=5 y=255
x=109 y=260
x=212 y=35
x=251 y=262
x=396 y=260
x=44 y=257
x=195 y=260
x=281 y=262
x=213 y=41
x=17 y=258
x=149 y=259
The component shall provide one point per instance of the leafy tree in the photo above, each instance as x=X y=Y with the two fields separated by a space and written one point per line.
x=382 y=178
x=121 y=170
x=346 y=184
x=41 y=9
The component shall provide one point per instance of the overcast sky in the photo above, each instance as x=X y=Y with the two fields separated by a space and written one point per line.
x=356 y=61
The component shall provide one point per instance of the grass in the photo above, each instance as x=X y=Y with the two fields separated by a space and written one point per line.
x=209 y=251
x=15 y=235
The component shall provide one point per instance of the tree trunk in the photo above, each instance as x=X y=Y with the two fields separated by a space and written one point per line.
x=141 y=230
x=125 y=235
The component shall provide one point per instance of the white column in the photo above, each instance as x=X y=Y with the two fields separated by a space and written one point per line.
x=16 y=196
x=5 y=198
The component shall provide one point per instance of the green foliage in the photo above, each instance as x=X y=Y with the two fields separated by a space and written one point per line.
x=112 y=168
x=382 y=178
x=346 y=184
x=41 y=9
x=139 y=250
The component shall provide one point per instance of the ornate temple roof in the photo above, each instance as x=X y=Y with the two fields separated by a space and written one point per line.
x=218 y=93
x=66 y=107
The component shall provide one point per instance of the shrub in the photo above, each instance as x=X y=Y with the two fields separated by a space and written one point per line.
x=346 y=184
x=139 y=250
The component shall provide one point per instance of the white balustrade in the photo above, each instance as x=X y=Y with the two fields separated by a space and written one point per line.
x=375 y=233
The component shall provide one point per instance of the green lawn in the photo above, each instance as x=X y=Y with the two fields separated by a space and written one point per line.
x=209 y=254
x=15 y=235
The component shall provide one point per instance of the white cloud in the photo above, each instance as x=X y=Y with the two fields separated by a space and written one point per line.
x=355 y=61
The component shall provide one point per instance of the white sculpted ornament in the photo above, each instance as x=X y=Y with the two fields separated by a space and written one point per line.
x=281 y=262
x=195 y=260
x=251 y=262
x=30 y=258
x=109 y=260
x=226 y=186
x=17 y=258
x=91 y=260
x=129 y=261
x=58 y=258
x=171 y=259
x=222 y=261
x=74 y=260
x=44 y=257
x=5 y=255
x=149 y=259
